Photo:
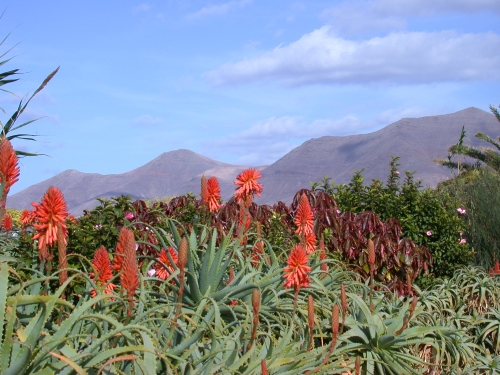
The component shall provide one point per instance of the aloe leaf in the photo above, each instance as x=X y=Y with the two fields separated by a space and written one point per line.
x=207 y=261
x=175 y=233
x=5 y=353
x=21 y=361
x=110 y=353
x=4 y=281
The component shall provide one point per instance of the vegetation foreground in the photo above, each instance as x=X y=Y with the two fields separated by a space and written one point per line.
x=195 y=286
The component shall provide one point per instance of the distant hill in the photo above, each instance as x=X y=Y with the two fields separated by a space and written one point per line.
x=417 y=141
x=172 y=173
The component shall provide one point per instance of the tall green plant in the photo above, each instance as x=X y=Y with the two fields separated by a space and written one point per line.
x=478 y=192
x=11 y=126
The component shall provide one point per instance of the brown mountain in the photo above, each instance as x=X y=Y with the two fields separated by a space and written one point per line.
x=416 y=141
x=172 y=173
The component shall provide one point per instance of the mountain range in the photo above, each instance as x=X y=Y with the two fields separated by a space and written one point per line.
x=417 y=141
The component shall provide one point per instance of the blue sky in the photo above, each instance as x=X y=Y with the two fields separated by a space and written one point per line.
x=240 y=81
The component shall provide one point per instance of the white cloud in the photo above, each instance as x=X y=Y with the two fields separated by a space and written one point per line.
x=217 y=10
x=361 y=16
x=411 y=57
x=147 y=120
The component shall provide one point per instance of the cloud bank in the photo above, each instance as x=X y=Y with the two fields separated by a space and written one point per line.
x=400 y=58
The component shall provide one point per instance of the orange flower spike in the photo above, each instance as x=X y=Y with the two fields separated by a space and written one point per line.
x=129 y=277
x=26 y=218
x=247 y=185
x=7 y=222
x=296 y=274
x=62 y=258
x=204 y=189
x=120 y=251
x=102 y=266
x=9 y=168
x=304 y=218
x=51 y=211
x=310 y=240
x=213 y=194
x=161 y=272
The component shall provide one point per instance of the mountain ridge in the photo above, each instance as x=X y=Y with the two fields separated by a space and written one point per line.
x=417 y=141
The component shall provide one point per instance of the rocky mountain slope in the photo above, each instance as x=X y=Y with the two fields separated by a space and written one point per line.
x=417 y=141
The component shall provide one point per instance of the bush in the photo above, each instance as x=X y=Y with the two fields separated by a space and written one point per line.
x=478 y=192
x=427 y=218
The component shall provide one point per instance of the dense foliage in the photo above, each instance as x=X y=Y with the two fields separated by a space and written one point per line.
x=478 y=192
x=428 y=219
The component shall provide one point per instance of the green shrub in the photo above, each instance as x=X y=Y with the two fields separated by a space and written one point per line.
x=99 y=226
x=427 y=218
x=478 y=192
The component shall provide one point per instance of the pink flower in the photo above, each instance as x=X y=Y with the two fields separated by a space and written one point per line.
x=397 y=172
x=129 y=215
x=151 y=272
x=462 y=241
x=461 y=233
x=461 y=211
x=429 y=233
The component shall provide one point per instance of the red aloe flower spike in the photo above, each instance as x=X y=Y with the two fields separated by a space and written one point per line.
x=7 y=222
x=335 y=324
x=304 y=218
x=51 y=210
x=26 y=218
x=204 y=190
x=61 y=250
x=183 y=254
x=263 y=367
x=213 y=191
x=9 y=171
x=497 y=267
x=102 y=266
x=358 y=366
x=371 y=254
x=161 y=272
x=247 y=186
x=296 y=274
x=256 y=308
x=310 y=240
x=120 y=251
x=103 y=269
x=129 y=277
